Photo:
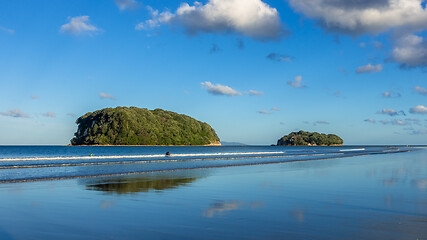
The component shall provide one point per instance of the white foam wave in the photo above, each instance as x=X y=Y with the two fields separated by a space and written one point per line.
x=138 y=156
x=354 y=149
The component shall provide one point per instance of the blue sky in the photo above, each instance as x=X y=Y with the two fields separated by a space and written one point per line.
x=254 y=70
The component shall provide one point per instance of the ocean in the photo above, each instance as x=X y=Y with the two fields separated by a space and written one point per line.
x=229 y=192
x=31 y=163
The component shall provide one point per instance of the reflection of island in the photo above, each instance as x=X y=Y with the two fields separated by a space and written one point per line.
x=134 y=185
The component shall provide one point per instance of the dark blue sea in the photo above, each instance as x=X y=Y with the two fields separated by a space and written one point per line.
x=228 y=192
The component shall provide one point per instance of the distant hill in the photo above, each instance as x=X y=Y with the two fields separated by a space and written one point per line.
x=302 y=138
x=232 y=144
x=140 y=126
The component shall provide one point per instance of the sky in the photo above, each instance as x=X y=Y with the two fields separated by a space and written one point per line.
x=255 y=70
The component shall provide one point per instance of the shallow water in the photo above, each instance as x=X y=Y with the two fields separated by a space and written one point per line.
x=51 y=163
x=381 y=196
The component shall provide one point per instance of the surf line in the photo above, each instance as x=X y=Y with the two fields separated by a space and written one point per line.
x=135 y=156
x=158 y=161
x=349 y=150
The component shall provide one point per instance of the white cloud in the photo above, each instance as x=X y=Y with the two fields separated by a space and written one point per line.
x=378 y=45
x=126 y=4
x=79 y=25
x=103 y=95
x=321 y=122
x=279 y=57
x=364 y=16
x=398 y=122
x=386 y=94
x=147 y=24
x=34 y=97
x=251 y=18
x=413 y=121
x=71 y=115
x=263 y=112
x=49 y=114
x=156 y=19
x=420 y=90
x=296 y=83
x=370 y=120
x=375 y=44
x=391 y=94
x=255 y=93
x=219 y=89
x=275 y=109
x=369 y=68
x=15 y=113
x=10 y=31
x=419 y=109
x=410 y=51
x=342 y=70
x=419 y=132
x=337 y=93
x=390 y=112
x=215 y=48
x=358 y=17
x=384 y=121
x=394 y=122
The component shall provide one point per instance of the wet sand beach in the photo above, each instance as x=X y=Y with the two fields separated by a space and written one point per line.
x=361 y=197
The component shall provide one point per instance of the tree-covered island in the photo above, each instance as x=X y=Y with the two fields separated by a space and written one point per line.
x=140 y=126
x=302 y=138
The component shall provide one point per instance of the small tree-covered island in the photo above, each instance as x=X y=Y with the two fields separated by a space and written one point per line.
x=302 y=138
x=140 y=126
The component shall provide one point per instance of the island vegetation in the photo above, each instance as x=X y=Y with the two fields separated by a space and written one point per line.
x=140 y=126
x=303 y=138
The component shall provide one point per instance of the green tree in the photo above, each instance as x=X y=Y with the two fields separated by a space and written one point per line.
x=303 y=138
x=140 y=126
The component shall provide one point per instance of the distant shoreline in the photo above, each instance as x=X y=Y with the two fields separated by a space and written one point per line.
x=322 y=145
x=108 y=145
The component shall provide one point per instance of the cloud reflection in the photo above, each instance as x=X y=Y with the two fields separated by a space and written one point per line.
x=220 y=207
x=106 y=204
x=390 y=182
x=298 y=214
x=420 y=183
